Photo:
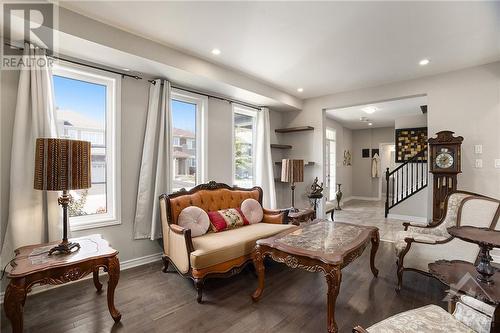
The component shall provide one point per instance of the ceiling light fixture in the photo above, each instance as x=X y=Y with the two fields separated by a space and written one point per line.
x=300 y=89
x=424 y=62
x=370 y=109
x=215 y=51
x=370 y=124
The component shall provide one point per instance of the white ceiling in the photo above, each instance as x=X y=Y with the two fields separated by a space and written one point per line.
x=385 y=116
x=324 y=47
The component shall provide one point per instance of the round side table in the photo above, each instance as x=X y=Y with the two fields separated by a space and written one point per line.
x=487 y=239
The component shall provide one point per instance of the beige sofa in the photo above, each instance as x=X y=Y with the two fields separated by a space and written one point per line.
x=219 y=254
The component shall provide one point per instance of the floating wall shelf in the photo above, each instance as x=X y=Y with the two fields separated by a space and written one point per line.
x=277 y=146
x=294 y=129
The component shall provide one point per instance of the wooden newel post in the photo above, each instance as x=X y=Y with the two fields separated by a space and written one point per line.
x=387 y=192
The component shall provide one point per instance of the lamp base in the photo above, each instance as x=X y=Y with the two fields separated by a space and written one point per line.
x=64 y=248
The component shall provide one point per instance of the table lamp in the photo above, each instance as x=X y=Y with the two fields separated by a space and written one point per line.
x=292 y=171
x=62 y=165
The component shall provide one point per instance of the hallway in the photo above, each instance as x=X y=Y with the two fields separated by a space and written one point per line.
x=370 y=213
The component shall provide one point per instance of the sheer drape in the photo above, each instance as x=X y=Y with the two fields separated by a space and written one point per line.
x=155 y=166
x=264 y=164
x=34 y=216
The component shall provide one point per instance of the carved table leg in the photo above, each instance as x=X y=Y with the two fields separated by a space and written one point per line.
x=97 y=284
x=333 y=279
x=114 y=275
x=375 y=243
x=258 y=262
x=15 y=295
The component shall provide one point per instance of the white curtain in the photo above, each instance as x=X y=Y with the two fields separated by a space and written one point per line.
x=264 y=164
x=155 y=166
x=34 y=216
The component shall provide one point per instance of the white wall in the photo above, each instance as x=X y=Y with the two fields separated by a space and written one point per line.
x=363 y=185
x=220 y=141
x=419 y=120
x=465 y=101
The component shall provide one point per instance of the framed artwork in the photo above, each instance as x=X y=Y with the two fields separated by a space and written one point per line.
x=410 y=141
x=365 y=153
x=375 y=151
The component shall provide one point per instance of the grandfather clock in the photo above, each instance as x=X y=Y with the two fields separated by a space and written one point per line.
x=445 y=165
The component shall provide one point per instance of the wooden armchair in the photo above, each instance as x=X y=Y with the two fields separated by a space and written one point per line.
x=418 y=245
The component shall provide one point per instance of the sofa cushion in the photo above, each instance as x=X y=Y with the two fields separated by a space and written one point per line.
x=429 y=319
x=227 y=219
x=215 y=248
x=194 y=218
x=252 y=210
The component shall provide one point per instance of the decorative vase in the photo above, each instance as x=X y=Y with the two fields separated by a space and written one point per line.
x=338 y=196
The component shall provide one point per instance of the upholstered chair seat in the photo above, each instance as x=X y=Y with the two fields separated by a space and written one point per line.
x=470 y=316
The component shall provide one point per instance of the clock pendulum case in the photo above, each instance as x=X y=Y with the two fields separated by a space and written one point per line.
x=445 y=165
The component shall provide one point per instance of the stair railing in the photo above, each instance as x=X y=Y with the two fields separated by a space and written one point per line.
x=406 y=180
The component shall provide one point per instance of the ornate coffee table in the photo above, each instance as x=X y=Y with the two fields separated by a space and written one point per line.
x=319 y=246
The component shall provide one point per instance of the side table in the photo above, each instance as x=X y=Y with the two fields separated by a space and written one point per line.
x=33 y=266
x=487 y=239
x=460 y=276
x=303 y=215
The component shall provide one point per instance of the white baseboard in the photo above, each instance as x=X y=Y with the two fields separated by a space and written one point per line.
x=355 y=197
x=124 y=265
x=416 y=219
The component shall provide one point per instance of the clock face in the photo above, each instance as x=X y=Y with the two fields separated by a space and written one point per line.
x=444 y=160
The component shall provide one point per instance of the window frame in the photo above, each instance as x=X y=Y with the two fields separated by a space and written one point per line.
x=201 y=103
x=244 y=110
x=112 y=82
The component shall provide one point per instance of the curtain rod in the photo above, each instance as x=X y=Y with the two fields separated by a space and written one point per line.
x=230 y=100
x=114 y=71
x=59 y=57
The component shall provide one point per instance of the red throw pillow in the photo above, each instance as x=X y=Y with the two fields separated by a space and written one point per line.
x=227 y=219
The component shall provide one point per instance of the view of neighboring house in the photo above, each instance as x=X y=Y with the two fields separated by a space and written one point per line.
x=75 y=125
x=184 y=158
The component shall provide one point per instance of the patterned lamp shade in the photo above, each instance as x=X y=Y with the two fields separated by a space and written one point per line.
x=62 y=164
x=292 y=171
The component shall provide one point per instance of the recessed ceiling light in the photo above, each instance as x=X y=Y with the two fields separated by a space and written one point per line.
x=300 y=89
x=370 y=109
x=424 y=62
x=369 y=124
x=215 y=51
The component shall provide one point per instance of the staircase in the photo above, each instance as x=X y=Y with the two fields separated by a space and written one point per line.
x=406 y=180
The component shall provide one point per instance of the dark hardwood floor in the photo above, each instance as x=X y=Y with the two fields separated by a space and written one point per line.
x=293 y=301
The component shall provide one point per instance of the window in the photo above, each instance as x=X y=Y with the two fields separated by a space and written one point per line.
x=244 y=125
x=87 y=103
x=188 y=137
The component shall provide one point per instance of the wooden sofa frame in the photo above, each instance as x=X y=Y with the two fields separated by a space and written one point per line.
x=221 y=270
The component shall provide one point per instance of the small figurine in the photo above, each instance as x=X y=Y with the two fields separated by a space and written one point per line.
x=316 y=190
